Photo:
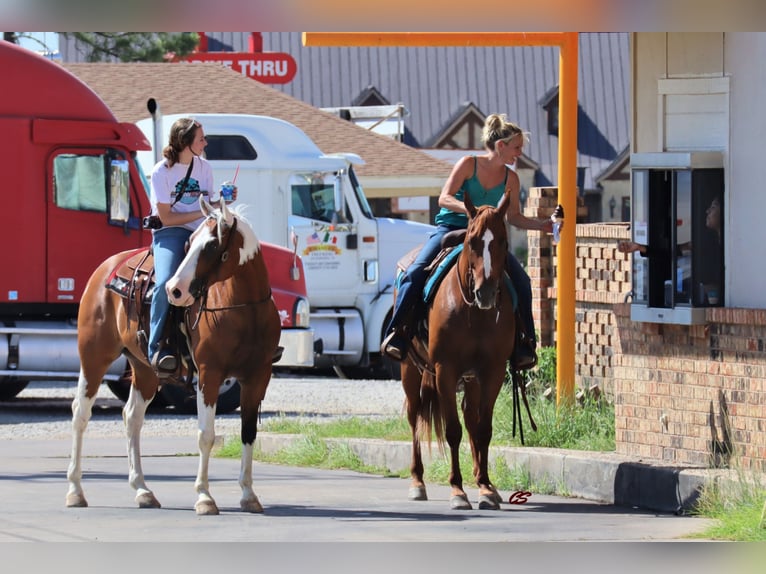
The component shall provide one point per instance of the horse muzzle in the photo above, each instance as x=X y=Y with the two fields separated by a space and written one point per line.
x=486 y=295
x=179 y=294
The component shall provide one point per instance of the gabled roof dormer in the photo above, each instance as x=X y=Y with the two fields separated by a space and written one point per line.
x=462 y=130
x=370 y=96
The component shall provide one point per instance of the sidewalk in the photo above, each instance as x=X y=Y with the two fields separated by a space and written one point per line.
x=600 y=477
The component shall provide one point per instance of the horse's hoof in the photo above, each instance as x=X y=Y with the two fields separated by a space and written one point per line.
x=488 y=502
x=417 y=493
x=460 y=502
x=493 y=495
x=147 y=500
x=206 y=508
x=76 y=501
x=253 y=506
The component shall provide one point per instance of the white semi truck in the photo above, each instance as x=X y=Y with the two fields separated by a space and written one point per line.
x=303 y=199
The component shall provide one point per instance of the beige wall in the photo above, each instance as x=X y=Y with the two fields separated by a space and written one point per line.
x=664 y=55
x=732 y=65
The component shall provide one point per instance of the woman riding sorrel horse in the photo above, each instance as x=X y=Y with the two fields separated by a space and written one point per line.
x=233 y=330
x=471 y=328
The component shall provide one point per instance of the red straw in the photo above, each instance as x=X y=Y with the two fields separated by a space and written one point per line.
x=235 y=175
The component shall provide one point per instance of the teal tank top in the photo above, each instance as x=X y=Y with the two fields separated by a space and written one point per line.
x=479 y=196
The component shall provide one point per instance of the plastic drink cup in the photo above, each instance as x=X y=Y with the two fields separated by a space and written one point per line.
x=227 y=191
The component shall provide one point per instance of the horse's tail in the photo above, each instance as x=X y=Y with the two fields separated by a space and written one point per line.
x=430 y=420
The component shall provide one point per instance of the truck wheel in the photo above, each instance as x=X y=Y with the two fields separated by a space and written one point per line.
x=10 y=387
x=185 y=402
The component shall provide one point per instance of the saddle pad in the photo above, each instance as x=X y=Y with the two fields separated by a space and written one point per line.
x=135 y=263
x=437 y=275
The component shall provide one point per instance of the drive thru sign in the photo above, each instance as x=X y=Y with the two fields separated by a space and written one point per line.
x=266 y=67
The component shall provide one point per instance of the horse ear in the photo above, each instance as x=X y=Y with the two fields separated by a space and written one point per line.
x=204 y=206
x=469 y=204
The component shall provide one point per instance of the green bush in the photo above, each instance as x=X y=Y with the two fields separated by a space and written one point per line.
x=544 y=374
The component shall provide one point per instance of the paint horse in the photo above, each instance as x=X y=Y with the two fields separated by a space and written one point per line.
x=471 y=326
x=232 y=328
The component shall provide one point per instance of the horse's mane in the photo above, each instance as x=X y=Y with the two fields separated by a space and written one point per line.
x=251 y=245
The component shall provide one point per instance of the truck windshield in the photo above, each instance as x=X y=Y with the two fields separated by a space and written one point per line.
x=313 y=196
x=359 y=194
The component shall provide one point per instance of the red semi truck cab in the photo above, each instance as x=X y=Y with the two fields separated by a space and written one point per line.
x=74 y=196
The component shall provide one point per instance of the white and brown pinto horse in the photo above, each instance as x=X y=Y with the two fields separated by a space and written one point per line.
x=233 y=331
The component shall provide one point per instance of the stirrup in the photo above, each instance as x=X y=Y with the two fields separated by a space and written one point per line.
x=394 y=346
x=164 y=361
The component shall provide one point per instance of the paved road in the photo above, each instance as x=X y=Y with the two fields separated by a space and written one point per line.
x=301 y=504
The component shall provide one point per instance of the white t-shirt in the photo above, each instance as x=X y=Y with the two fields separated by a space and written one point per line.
x=166 y=182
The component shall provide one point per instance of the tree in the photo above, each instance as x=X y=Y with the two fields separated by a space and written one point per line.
x=134 y=46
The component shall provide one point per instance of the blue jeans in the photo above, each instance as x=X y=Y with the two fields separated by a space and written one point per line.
x=413 y=281
x=523 y=286
x=168 y=247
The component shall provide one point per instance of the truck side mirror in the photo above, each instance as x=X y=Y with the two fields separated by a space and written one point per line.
x=339 y=197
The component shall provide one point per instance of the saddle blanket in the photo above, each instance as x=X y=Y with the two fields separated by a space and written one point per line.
x=438 y=273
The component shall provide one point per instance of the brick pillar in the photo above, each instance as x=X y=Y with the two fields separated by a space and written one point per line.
x=541 y=264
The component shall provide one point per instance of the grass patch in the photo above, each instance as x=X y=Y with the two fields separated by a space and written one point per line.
x=308 y=450
x=589 y=426
x=390 y=428
x=586 y=426
x=737 y=505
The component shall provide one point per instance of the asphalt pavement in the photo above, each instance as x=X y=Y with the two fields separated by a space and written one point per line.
x=300 y=504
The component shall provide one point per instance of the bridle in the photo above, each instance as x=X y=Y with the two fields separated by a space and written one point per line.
x=467 y=288
x=203 y=293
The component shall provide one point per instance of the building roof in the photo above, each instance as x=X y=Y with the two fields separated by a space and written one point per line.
x=436 y=84
x=391 y=168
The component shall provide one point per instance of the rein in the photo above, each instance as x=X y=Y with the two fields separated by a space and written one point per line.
x=460 y=286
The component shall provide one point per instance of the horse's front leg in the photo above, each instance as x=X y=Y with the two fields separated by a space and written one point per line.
x=205 y=504
x=478 y=411
x=252 y=394
x=446 y=385
x=133 y=415
x=82 y=409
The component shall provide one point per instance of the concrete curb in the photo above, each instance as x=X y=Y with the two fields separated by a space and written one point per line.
x=600 y=477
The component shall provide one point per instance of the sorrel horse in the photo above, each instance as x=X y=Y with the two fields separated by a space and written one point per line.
x=233 y=330
x=471 y=333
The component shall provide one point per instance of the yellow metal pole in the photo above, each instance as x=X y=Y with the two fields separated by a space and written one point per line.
x=565 y=312
x=568 y=54
x=389 y=39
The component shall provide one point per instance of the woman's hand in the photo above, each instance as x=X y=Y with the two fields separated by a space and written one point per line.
x=628 y=247
x=546 y=226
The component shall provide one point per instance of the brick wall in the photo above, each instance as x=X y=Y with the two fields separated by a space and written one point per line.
x=691 y=395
